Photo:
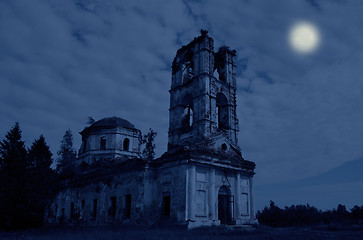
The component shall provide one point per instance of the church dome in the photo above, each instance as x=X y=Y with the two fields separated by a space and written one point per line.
x=109 y=138
x=113 y=122
x=109 y=122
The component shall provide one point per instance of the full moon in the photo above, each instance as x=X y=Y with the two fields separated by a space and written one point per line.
x=304 y=37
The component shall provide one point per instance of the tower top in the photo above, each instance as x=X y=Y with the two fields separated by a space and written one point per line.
x=203 y=96
x=203 y=32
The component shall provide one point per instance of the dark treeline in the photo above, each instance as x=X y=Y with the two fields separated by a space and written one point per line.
x=296 y=215
x=26 y=178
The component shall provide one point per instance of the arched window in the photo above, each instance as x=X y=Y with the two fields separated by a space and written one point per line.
x=187 y=67
x=126 y=144
x=187 y=71
x=187 y=117
x=222 y=111
x=103 y=143
x=220 y=63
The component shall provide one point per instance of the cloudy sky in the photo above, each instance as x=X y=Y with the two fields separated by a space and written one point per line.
x=300 y=115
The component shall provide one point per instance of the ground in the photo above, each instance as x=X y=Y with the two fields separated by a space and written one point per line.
x=261 y=232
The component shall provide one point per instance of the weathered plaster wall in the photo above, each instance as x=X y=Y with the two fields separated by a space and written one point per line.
x=119 y=186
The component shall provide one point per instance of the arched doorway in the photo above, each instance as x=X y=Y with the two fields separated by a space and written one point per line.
x=225 y=205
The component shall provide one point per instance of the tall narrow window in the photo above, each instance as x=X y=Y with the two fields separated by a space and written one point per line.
x=222 y=111
x=94 y=208
x=126 y=144
x=61 y=218
x=187 y=117
x=112 y=209
x=127 y=205
x=187 y=67
x=187 y=71
x=166 y=205
x=220 y=63
x=72 y=210
x=103 y=143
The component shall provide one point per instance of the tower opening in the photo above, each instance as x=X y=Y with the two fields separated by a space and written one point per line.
x=187 y=117
x=187 y=67
x=222 y=111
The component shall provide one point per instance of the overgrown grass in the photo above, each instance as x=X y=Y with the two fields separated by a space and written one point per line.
x=210 y=233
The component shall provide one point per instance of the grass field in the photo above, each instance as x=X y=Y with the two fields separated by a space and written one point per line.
x=261 y=232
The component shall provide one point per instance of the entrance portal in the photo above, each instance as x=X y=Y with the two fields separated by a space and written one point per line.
x=225 y=206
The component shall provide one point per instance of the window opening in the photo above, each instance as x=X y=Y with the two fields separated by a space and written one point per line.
x=103 y=143
x=166 y=205
x=126 y=144
x=127 y=205
x=222 y=111
x=188 y=116
x=72 y=210
x=113 y=206
x=94 y=208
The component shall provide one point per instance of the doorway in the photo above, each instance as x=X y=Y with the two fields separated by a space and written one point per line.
x=225 y=206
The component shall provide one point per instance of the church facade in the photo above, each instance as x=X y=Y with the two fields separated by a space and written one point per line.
x=202 y=179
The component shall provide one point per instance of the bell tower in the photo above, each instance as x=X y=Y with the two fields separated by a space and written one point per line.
x=203 y=94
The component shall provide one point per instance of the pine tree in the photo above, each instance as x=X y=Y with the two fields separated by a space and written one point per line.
x=149 y=150
x=41 y=179
x=39 y=154
x=67 y=154
x=13 y=173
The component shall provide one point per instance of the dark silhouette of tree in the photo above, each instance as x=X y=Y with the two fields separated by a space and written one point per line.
x=269 y=215
x=13 y=173
x=341 y=213
x=294 y=215
x=40 y=157
x=297 y=215
x=41 y=179
x=67 y=154
x=149 y=150
x=357 y=213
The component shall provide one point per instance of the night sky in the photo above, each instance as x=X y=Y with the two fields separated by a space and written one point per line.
x=300 y=114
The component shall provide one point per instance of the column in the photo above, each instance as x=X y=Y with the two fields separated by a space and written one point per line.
x=237 y=197
x=211 y=190
x=252 y=205
x=191 y=192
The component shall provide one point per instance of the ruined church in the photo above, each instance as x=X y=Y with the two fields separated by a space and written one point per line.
x=202 y=179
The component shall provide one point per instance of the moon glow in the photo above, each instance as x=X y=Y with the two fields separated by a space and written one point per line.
x=304 y=37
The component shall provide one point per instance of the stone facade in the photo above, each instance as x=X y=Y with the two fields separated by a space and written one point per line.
x=202 y=180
